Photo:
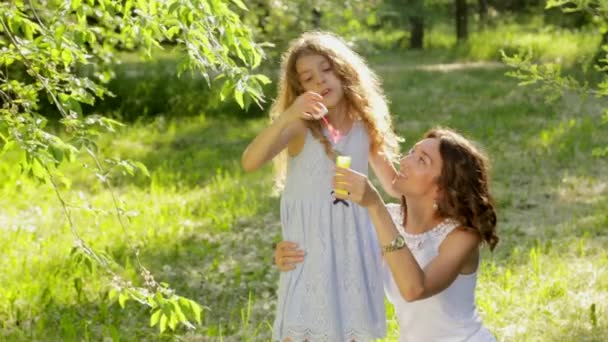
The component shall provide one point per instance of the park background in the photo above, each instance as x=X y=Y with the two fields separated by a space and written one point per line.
x=125 y=214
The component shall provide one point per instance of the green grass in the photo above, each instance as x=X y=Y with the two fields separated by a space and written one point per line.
x=206 y=228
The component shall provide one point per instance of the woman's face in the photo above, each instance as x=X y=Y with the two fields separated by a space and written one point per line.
x=316 y=74
x=419 y=170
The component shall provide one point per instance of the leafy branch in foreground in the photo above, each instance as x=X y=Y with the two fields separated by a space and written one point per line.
x=62 y=52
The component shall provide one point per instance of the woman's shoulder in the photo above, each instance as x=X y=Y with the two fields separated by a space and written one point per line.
x=461 y=235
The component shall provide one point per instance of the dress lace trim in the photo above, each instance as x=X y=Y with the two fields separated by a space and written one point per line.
x=296 y=334
x=438 y=233
x=415 y=241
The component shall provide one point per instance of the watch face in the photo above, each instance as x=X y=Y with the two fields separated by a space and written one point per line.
x=400 y=241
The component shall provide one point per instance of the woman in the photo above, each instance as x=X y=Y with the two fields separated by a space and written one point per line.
x=431 y=243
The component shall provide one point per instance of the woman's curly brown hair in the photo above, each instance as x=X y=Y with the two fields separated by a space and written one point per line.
x=464 y=185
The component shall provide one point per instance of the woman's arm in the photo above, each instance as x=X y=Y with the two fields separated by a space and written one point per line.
x=414 y=283
x=287 y=255
x=385 y=171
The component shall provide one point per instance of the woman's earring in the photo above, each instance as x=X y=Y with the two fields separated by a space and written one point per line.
x=435 y=206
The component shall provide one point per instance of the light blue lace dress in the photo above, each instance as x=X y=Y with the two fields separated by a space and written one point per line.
x=336 y=294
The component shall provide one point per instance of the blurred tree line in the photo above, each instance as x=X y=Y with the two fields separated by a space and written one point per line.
x=146 y=89
x=278 y=21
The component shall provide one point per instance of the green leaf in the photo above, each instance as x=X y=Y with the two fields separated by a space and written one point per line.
x=238 y=96
x=127 y=167
x=173 y=321
x=174 y=6
x=75 y=106
x=226 y=88
x=78 y=285
x=163 y=323
x=112 y=294
x=154 y=319
x=66 y=57
x=178 y=311
x=142 y=4
x=28 y=30
x=122 y=299
x=172 y=31
x=38 y=170
x=76 y=4
x=8 y=146
x=257 y=59
x=65 y=181
x=88 y=263
x=14 y=23
x=57 y=153
x=262 y=78
x=142 y=168
x=197 y=311
x=240 y=4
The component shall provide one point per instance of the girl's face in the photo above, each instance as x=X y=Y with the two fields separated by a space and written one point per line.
x=316 y=74
x=419 y=170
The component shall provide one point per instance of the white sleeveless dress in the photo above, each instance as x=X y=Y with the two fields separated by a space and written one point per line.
x=336 y=294
x=449 y=316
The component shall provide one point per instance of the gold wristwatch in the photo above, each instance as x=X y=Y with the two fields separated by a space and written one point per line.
x=397 y=243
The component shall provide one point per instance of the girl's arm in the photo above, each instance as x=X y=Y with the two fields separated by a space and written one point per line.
x=274 y=138
x=414 y=283
x=385 y=171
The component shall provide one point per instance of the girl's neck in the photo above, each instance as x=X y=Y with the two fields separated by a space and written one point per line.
x=338 y=116
x=421 y=216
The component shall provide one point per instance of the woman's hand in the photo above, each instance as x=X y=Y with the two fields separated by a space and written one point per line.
x=357 y=188
x=307 y=106
x=287 y=255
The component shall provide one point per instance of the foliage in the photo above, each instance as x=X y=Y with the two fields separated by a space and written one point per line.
x=62 y=51
x=553 y=81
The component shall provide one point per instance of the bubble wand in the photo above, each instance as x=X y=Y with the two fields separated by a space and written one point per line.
x=334 y=134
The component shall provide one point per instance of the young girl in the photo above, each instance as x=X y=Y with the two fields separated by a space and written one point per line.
x=337 y=293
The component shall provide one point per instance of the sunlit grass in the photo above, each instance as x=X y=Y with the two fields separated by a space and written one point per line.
x=546 y=42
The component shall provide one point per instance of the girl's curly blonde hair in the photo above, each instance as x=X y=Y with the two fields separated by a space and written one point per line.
x=362 y=91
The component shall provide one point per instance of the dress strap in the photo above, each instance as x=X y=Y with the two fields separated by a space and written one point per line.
x=394 y=209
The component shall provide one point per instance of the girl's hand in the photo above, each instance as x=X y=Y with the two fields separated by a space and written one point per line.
x=356 y=186
x=307 y=106
x=287 y=255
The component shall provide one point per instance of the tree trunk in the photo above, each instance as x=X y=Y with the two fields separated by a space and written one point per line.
x=461 y=20
x=416 y=32
x=316 y=18
x=483 y=13
x=601 y=54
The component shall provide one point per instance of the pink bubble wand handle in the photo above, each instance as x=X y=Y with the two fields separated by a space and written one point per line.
x=334 y=134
